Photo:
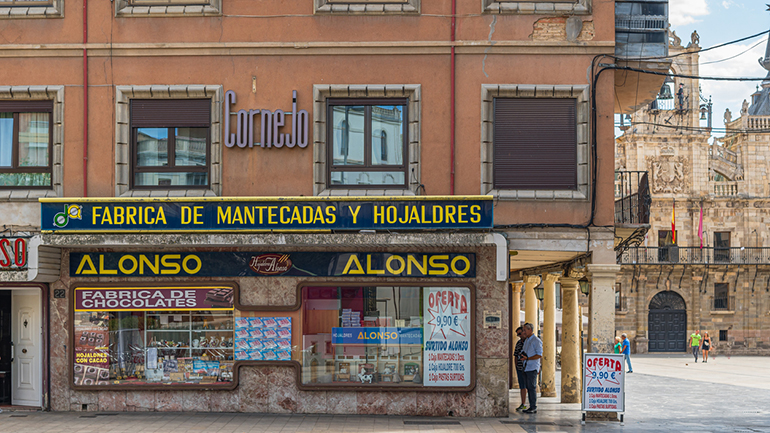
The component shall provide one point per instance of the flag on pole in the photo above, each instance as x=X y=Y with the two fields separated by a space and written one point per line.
x=673 y=223
x=700 y=226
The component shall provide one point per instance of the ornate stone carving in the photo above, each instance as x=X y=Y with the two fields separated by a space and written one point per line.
x=669 y=174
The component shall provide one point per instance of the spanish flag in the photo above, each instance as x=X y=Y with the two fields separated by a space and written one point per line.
x=673 y=223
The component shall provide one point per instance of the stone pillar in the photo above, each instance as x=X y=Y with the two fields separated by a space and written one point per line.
x=601 y=315
x=548 y=386
x=516 y=316
x=640 y=339
x=530 y=300
x=570 y=342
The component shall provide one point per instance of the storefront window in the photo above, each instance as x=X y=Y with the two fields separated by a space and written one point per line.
x=386 y=336
x=153 y=335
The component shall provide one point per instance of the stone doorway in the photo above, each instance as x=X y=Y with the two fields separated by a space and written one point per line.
x=667 y=323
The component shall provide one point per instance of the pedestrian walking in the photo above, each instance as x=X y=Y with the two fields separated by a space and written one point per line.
x=618 y=345
x=531 y=352
x=695 y=343
x=626 y=350
x=706 y=346
x=521 y=377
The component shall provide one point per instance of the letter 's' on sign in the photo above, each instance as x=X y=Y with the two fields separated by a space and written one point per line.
x=270 y=126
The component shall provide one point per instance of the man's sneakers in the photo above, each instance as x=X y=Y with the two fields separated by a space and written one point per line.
x=530 y=410
x=520 y=408
x=630 y=371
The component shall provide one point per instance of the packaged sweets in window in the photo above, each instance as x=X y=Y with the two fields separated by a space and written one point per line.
x=242 y=344
x=283 y=343
x=284 y=355
x=283 y=322
x=269 y=355
x=256 y=344
x=242 y=322
x=268 y=344
x=270 y=333
x=269 y=322
x=255 y=322
x=242 y=333
x=256 y=333
x=255 y=355
x=284 y=333
x=241 y=355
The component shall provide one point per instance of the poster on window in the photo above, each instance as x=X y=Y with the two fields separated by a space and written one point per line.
x=447 y=336
x=263 y=338
x=91 y=352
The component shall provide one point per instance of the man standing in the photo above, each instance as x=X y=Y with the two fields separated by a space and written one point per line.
x=695 y=343
x=531 y=352
x=522 y=378
x=626 y=351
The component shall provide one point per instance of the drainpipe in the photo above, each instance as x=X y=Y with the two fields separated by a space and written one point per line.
x=85 y=99
x=452 y=102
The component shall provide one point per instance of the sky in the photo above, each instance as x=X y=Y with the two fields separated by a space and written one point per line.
x=717 y=22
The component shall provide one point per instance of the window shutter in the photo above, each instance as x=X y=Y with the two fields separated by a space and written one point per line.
x=26 y=106
x=160 y=113
x=535 y=143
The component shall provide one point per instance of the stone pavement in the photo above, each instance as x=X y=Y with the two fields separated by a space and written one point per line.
x=664 y=394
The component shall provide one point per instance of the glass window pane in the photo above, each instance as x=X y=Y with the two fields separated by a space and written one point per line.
x=25 y=179
x=190 y=146
x=33 y=139
x=348 y=135
x=151 y=147
x=368 y=178
x=6 y=139
x=387 y=135
x=171 y=179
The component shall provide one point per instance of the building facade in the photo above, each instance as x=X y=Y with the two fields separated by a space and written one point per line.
x=713 y=274
x=298 y=207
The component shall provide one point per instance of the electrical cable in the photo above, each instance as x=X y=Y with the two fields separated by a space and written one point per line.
x=737 y=55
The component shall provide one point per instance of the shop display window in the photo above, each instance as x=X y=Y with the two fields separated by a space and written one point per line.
x=386 y=336
x=153 y=347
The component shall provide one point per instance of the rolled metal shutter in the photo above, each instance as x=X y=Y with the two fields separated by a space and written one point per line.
x=158 y=113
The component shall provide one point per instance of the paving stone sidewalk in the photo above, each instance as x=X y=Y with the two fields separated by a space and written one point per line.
x=664 y=394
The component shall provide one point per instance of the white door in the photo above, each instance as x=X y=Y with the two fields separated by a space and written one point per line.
x=26 y=331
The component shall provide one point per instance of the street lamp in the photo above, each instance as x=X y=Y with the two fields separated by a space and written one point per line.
x=585 y=286
x=539 y=292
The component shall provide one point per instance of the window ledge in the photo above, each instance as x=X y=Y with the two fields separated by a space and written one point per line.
x=580 y=7
x=621 y=312
x=524 y=194
x=54 y=10
x=326 y=7
x=365 y=192
x=124 y=10
x=30 y=195
x=169 y=193
x=723 y=312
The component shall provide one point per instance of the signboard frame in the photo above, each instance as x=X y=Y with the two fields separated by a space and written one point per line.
x=602 y=367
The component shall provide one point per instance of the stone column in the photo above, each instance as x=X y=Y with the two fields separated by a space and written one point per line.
x=548 y=388
x=601 y=315
x=570 y=342
x=516 y=316
x=640 y=339
x=530 y=300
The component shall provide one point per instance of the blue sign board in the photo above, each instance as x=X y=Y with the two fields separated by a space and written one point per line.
x=377 y=336
x=170 y=215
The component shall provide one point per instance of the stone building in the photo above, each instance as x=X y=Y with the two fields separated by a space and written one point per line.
x=715 y=279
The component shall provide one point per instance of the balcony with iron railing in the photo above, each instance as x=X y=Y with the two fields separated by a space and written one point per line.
x=632 y=197
x=694 y=256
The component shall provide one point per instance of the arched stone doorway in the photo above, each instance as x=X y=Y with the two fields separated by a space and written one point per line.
x=667 y=323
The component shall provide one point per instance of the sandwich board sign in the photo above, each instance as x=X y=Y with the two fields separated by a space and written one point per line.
x=604 y=384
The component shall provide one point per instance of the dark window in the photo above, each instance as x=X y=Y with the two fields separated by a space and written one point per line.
x=170 y=143
x=667 y=251
x=722 y=246
x=721 y=297
x=535 y=143
x=364 y=134
x=618 y=297
x=723 y=335
x=25 y=144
